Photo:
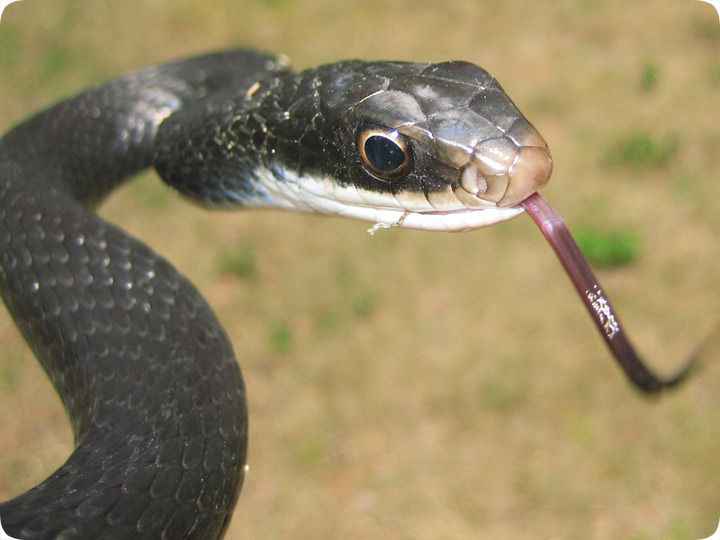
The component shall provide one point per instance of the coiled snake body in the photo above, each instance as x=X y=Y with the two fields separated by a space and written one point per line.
x=145 y=371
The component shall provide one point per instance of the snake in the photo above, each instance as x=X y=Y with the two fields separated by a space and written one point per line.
x=144 y=369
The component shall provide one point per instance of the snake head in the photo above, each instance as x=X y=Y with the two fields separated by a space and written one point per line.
x=428 y=146
x=433 y=146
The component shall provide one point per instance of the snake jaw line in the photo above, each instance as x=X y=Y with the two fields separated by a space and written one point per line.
x=324 y=195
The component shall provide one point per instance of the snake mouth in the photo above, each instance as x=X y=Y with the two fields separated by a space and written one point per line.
x=409 y=210
x=463 y=219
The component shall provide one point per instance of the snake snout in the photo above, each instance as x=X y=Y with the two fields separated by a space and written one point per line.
x=505 y=170
x=529 y=172
x=532 y=166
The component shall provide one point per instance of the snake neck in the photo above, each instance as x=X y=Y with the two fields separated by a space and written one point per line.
x=217 y=152
x=88 y=144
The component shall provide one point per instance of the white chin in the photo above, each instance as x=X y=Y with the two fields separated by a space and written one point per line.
x=452 y=221
x=323 y=195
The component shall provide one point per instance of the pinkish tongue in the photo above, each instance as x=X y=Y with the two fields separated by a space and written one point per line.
x=597 y=303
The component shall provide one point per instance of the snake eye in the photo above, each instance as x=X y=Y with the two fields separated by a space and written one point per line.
x=384 y=152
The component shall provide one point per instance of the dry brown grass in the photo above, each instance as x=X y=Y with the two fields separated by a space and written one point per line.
x=427 y=386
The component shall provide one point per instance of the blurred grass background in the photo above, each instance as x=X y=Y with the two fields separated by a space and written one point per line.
x=427 y=386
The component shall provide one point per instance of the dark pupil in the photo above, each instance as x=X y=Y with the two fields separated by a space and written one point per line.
x=383 y=153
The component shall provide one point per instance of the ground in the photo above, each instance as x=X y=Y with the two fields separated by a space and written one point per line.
x=413 y=385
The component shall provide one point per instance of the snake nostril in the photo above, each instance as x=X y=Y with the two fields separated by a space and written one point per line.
x=529 y=172
x=473 y=180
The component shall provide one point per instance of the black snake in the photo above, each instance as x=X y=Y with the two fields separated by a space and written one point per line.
x=145 y=371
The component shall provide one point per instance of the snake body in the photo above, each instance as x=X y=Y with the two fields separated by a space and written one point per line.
x=145 y=371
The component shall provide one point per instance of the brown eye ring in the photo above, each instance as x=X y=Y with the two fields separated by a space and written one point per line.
x=384 y=152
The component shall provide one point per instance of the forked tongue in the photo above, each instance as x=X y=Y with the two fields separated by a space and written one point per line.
x=597 y=303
